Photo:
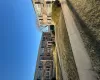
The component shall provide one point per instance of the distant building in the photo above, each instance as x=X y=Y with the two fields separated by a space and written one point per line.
x=45 y=64
x=45 y=28
x=43 y=9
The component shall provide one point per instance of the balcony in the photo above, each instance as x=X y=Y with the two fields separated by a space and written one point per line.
x=46 y=58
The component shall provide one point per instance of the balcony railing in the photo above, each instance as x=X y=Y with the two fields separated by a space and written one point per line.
x=46 y=58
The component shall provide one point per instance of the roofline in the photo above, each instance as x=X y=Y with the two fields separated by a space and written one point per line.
x=38 y=57
x=34 y=6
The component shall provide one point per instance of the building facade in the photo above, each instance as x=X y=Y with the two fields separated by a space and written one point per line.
x=43 y=9
x=45 y=64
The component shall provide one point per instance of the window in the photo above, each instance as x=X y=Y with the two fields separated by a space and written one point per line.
x=48 y=19
x=48 y=2
x=40 y=16
x=43 y=39
x=38 y=79
x=47 y=77
x=48 y=54
x=48 y=69
x=48 y=16
x=40 y=66
x=43 y=44
x=41 y=55
x=42 y=50
x=49 y=39
x=47 y=73
x=40 y=19
x=47 y=66
x=49 y=50
x=49 y=42
x=37 y=2
x=49 y=46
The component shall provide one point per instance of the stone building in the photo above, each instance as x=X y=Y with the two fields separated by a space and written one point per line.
x=45 y=64
x=43 y=9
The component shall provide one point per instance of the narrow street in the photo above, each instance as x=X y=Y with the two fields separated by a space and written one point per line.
x=65 y=54
x=70 y=44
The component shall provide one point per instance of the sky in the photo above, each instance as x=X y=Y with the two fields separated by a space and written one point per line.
x=19 y=40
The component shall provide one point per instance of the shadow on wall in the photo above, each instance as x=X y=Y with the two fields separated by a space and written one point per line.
x=86 y=29
x=92 y=39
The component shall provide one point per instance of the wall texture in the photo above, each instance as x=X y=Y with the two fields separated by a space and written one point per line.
x=65 y=54
x=87 y=13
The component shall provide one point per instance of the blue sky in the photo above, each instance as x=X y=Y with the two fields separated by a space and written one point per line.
x=19 y=40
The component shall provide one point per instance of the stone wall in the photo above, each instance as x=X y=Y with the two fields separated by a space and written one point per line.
x=87 y=14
